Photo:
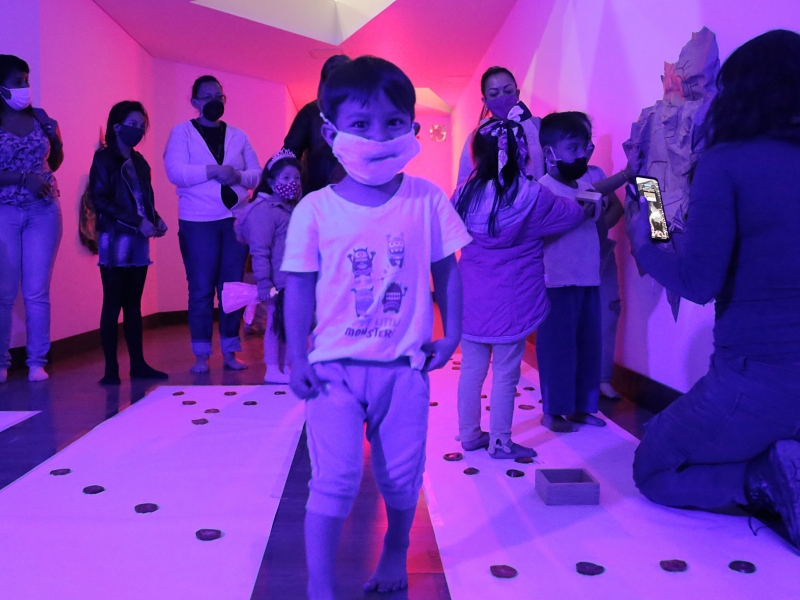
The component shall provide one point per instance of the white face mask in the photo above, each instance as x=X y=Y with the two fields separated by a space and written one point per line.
x=374 y=163
x=20 y=97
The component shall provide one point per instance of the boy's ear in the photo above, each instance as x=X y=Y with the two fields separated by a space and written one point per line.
x=328 y=133
x=417 y=127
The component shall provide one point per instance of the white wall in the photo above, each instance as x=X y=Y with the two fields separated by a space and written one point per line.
x=606 y=57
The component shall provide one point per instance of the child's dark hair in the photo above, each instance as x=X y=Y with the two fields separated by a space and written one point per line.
x=362 y=79
x=119 y=112
x=274 y=172
x=485 y=155
x=564 y=125
x=200 y=81
x=12 y=64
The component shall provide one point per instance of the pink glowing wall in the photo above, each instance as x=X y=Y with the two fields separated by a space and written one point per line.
x=605 y=57
x=260 y=108
x=433 y=162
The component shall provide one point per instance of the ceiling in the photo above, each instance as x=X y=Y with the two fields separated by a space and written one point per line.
x=438 y=43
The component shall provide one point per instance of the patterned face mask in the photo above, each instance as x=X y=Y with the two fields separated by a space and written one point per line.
x=288 y=191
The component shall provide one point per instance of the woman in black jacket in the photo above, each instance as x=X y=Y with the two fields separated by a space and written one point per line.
x=120 y=188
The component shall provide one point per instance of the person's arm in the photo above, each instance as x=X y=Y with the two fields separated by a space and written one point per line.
x=614 y=211
x=56 y=156
x=252 y=169
x=449 y=296
x=465 y=164
x=177 y=163
x=260 y=236
x=104 y=195
x=298 y=138
x=698 y=269
x=554 y=215
x=298 y=316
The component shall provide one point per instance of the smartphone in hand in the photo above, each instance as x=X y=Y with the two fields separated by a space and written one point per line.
x=648 y=189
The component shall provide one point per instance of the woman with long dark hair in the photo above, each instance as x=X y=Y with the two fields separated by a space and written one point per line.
x=734 y=438
x=507 y=215
x=122 y=194
x=30 y=213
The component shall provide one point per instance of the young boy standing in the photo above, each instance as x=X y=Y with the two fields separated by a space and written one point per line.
x=362 y=251
x=568 y=342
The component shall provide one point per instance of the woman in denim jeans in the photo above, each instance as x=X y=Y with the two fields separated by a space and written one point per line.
x=30 y=214
x=213 y=166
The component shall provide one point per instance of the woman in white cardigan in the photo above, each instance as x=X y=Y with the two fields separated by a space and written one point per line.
x=213 y=166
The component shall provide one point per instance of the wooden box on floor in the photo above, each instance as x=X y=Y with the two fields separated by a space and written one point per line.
x=558 y=487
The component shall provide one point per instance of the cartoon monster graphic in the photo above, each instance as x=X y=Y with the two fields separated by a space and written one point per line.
x=364 y=299
x=393 y=298
x=397 y=250
x=361 y=259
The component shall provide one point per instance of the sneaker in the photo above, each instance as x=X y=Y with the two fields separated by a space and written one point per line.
x=783 y=479
x=511 y=451
x=481 y=442
x=275 y=375
x=608 y=391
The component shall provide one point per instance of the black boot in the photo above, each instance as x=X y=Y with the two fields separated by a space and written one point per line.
x=772 y=482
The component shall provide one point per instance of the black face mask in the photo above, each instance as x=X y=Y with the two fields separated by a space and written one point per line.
x=213 y=110
x=130 y=136
x=573 y=170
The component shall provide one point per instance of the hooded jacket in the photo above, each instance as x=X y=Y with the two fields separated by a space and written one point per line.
x=263 y=225
x=503 y=276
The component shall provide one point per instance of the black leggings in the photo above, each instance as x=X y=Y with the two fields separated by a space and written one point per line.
x=122 y=289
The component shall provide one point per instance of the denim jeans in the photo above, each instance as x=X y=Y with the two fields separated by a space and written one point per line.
x=695 y=452
x=568 y=349
x=506 y=362
x=212 y=256
x=29 y=237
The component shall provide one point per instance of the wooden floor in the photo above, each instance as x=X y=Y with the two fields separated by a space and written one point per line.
x=71 y=403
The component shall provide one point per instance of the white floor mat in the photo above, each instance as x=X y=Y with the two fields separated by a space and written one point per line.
x=490 y=518
x=9 y=418
x=60 y=543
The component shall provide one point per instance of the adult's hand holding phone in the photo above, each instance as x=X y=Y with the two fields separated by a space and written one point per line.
x=637 y=224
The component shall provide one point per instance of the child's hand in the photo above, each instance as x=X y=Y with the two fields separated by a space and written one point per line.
x=304 y=381
x=438 y=353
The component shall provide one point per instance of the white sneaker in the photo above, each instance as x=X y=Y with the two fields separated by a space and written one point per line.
x=607 y=390
x=275 y=375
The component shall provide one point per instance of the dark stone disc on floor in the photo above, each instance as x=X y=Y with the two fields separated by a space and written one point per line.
x=93 y=489
x=530 y=388
x=471 y=471
x=674 y=565
x=484 y=396
x=457 y=362
x=742 y=566
x=515 y=473
x=591 y=569
x=60 y=471
x=503 y=571
x=488 y=408
x=212 y=411
x=453 y=456
x=207 y=535
x=526 y=407
x=250 y=403
x=178 y=393
x=199 y=421
x=189 y=402
x=280 y=393
x=147 y=507
x=456 y=368
x=434 y=404
x=524 y=460
x=517 y=395
x=230 y=393
x=540 y=401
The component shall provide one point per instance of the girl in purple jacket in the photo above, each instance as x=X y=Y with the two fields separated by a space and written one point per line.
x=507 y=215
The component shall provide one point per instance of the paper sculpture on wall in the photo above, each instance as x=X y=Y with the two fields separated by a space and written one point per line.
x=663 y=136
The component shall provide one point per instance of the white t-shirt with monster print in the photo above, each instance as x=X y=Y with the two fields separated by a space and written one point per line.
x=373 y=288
